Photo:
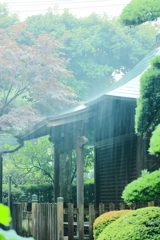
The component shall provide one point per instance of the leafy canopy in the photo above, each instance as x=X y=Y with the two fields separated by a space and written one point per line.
x=31 y=79
x=148 y=104
x=154 y=148
x=138 y=12
x=98 y=48
x=6 y=18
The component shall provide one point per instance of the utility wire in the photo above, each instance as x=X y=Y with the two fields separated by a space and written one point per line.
x=56 y=1
x=70 y=8
x=46 y=3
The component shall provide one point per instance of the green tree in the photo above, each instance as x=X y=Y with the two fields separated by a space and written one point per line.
x=6 y=18
x=148 y=104
x=32 y=164
x=138 y=12
x=31 y=79
x=98 y=48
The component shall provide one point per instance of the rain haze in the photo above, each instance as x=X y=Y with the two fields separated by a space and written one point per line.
x=80 y=119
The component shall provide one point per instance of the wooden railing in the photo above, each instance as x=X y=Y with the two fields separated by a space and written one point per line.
x=54 y=222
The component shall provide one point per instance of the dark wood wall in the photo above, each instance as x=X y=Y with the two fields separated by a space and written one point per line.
x=120 y=155
x=115 y=149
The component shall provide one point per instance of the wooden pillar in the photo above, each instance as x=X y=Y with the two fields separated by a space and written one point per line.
x=1 y=176
x=81 y=141
x=65 y=176
x=56 y=173
x=9 y=192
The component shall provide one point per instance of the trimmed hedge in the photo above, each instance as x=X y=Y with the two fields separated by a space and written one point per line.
x=105 y=219
x=145 y=188
x=142 y=224
x=16 y=194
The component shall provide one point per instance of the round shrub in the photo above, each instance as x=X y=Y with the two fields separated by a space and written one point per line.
x=142 y=224
x=105 y=219
x=145 y=188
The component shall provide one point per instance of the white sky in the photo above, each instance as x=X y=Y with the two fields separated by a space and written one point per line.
x=79 y=8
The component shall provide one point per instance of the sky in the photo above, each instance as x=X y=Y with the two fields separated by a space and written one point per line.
x=79 y=8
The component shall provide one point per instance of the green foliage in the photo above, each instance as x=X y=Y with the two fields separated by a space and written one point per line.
x=5 y=215
x=96 y=46
x=105 y=219
x=148 y=104
x=32 y=164
x=5 y=219
x=142 y=224
x=155 y=142
x=16 y=194
x=145 y=188
x=44 y=192
x=88 y=194
x=7 y=19
x=139 y=12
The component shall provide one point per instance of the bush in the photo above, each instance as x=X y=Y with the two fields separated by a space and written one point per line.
x=16 y=194
x=43 y=191
x=140 y=224
x=105 y=219
x=155 y=142
x=145 y=188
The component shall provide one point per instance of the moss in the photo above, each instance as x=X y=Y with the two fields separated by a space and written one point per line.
x=142 y=224
x=105 y=219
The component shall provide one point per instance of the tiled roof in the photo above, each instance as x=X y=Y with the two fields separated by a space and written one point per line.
x=128 y=85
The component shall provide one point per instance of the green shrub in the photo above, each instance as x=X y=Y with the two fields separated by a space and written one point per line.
x=142 y=224
x=5 y=219
x=145 y=188
x=16 y=194
x=105 y=219
x=44 y=192
x=155 y=142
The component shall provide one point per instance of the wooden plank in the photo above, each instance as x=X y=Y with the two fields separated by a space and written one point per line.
x=70 y=221
x=91 y=220
x=33 y=218
x=81 y=222
x=60 y=220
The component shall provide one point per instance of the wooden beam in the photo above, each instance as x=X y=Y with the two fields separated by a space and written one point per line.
x=1 y=176
x=81 y=141
x=56 y=172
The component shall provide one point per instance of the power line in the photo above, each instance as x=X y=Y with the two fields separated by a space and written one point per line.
x=51 y=1
x=55 y=3
x=73 y=8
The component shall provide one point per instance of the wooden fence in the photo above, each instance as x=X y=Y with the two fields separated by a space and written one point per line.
x=50 y=221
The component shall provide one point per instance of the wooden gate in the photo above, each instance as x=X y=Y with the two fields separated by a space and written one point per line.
x=44 y=225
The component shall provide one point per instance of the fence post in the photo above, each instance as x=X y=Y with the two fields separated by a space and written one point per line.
x=111 y=206
x=91 y=220
x=122 y=206
x=80 y=223
x=70 y=221
x=60 y=217
x=24 y=202
x=34 y=204
x=151 y=204
x=101 y=208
